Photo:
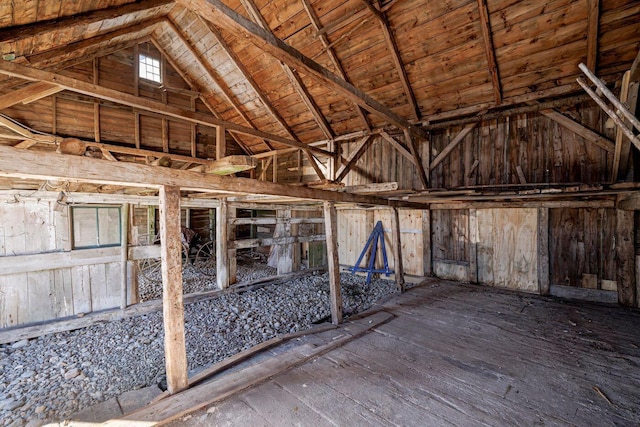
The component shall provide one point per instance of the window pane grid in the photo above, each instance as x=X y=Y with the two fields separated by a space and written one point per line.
x=149 y=69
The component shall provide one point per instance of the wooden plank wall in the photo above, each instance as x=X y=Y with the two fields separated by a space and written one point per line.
x=546 y=152
x=508 y=248
x=30 y=227
x=582 y=248
x=74 y=114
x=355 y=226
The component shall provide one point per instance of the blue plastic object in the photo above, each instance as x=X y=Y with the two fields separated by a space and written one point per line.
x=377 y=235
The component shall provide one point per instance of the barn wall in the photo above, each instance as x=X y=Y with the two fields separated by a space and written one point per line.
x=72 y=115
x=36 y=234
x=492 y=153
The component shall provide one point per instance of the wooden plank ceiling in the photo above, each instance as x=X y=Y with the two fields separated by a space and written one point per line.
x=397 y=63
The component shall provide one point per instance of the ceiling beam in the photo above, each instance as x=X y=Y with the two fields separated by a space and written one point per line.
x=315 y=23
x=293 y=77
x=621 y=145
x=219 y=13
x=29 y=93
x=14 y=34
x=28 y=164
x=593 y=19
x=74 y=85
x=489 y=50
x=395 y=57
x=53 y=56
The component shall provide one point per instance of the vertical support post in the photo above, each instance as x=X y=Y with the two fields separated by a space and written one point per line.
x=221 y=143
x=285 y=251
x=331 y=232
x=151 y=224
x=427 y=259
x=96 y=104
x=300 y=164
x=222 y=247
x=296 y=254
x=172 y=305
x=397 y=250
x=232 y=262
x=473 y=246
x=275 y=167
x=625 y=257
x=543 y=251
x=124 y=253
x=332 y=164
x=187 y=219
x=212 y=224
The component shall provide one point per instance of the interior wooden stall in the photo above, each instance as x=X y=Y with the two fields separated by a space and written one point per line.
x=496 y=141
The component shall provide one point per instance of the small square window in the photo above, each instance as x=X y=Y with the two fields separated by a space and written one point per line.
x=149 y=68
x=95 y=227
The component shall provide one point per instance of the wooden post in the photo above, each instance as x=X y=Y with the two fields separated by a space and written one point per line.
x=625 y=257
x=172 y=306
x=221 y=143
x=331 y=225
x=124 y=252
x=212 y=224
x=427 y=261
x=397 y=250
x=232 y=259
x=151 y=224
x=543 y=251
x=473 y=246
x=285 y=251
x=222 y=237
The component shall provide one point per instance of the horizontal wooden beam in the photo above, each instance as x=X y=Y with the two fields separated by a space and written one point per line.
x=286 y=240
x=29 y=93
x=75 y=85
x=37 y=262
x=220 y=14
x=40 y=165
x=274 y=221
x=515 y=204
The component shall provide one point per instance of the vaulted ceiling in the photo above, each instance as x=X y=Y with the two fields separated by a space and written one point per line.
x=311 y=70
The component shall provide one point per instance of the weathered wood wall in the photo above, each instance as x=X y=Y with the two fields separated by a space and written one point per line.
x=72 y=115
x=544 y=150
x=38 y=235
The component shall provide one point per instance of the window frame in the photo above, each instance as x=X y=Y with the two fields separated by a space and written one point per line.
x=141 y=62
x=97 y=208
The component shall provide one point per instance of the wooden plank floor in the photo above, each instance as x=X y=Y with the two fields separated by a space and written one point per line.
x=461 y=355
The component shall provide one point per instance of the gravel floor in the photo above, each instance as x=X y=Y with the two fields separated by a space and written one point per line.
x=52 y=377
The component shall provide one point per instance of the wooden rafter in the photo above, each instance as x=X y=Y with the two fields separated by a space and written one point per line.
x=29 y=93
x=57 y=54
x=39 y=28
x=220 y=14
x=489 y=50
x=75 y=85
x=213 y=75
x=293 y=77
x=624 y=95
x=395 y=57
x=247 y=75
x=593 y=20
x=315 y=22
x=187 y=78
x=357 y=152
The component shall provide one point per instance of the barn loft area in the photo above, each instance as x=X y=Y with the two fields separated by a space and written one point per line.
x=387 y=212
